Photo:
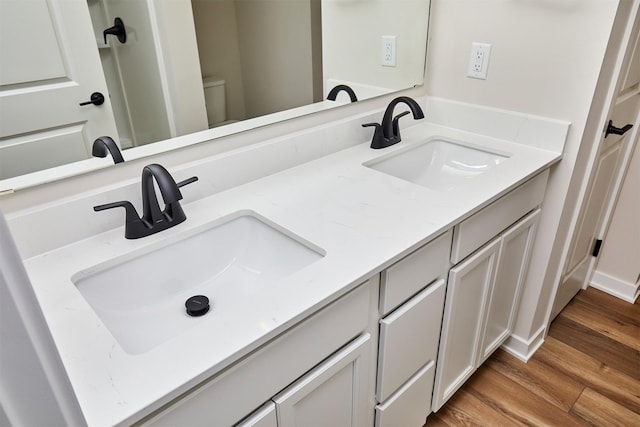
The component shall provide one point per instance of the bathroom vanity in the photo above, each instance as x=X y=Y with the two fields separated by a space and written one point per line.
x=405 y=284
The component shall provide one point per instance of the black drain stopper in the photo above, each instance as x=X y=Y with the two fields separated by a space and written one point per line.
x=197 y=305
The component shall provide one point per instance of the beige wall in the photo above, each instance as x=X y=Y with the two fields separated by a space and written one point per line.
x=355 y=55
x=262 y=49
x=546 y=58
x=276 y=54
x=218 y=48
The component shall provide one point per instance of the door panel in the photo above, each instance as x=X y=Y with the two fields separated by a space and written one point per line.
x=54 y=67
x=332 y=394
x=503 y=304
x=467 y=289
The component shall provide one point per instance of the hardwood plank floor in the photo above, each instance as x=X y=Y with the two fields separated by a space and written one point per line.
x=587 y=373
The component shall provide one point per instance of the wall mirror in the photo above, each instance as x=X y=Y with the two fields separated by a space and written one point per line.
x=185 y=66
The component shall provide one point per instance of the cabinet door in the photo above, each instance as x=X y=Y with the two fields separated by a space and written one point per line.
x=467 y=290
x=335 y=393
x=504 y=296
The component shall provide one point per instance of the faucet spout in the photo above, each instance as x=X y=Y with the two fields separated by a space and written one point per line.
x=333 y=93
x=104 y=144
x=388 y=132
x=390 y=128
x=168 y=189
x=153 y=219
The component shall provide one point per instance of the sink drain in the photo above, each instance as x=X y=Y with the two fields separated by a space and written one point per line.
x=197 y=305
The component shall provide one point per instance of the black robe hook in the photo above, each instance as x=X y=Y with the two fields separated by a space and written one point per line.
x=117 y=30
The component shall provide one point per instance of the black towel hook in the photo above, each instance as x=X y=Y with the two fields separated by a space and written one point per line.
x=117 y=30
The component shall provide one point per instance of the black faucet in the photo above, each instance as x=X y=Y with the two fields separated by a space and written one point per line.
x=333 y=93
x=153 y=219
x=104 y=143
x=388 y=133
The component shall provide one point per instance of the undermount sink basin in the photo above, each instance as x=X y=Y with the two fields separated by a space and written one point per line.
x=141 y=300
x=438 y=165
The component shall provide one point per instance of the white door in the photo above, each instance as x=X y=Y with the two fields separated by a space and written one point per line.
x=608 y=170
x=464 y=312
x=332 y=394
x=49 y=64
x=502 y=308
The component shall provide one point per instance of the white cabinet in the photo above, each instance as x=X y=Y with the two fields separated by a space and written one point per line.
x=483 y=290
x=332 y=393
x=411 y=301
x=409 y=338
x=467 y=291
x=319 y=341
x=504 y=297
x=263 y=417
x=410 y=405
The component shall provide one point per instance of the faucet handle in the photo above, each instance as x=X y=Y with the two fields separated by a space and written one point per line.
x=396 y=124
x=377 y=125
x=378 y=140
x=131 y=215
x=187 y=181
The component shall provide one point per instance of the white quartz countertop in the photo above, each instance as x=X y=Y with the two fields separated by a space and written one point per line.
x=362 y=219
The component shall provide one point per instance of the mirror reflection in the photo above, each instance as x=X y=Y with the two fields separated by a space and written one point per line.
x=142 y=71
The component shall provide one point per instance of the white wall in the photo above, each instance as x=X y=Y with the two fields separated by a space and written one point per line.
x=352 y=36
x=546 y=58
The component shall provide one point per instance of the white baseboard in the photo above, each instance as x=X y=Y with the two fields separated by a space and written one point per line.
x=521 y=348
x=616 y=287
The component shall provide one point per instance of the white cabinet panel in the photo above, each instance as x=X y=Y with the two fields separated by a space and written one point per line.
x=263 y=417
x=236 y=392
x=467 y=290
x=412 y=273
x=409 y=338
x=332 y=394
x=475 y=231
x=504 y=297
x=411 y=404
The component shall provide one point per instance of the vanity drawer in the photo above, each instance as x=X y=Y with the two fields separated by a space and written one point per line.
x=478 y=229
x=412 y=273
x=411 y=404
x=409 y=338
x=263 y=417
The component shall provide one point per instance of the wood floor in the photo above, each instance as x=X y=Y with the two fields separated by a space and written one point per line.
x=587 y=373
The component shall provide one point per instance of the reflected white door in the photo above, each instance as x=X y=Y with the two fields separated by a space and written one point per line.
x=49 y=64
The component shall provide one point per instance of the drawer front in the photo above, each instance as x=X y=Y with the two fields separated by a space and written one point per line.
x=411 y=404
x=263 y=417
x=475 y=231
x=412 y=273
x=409 y=339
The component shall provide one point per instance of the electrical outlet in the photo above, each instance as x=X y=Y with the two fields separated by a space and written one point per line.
x=389 y=51
x=479 y=60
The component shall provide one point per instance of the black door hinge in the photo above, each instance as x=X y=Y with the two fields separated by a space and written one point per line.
x=596 y=247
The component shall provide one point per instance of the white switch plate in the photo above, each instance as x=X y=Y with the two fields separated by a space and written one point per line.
x=479 y=60
x=389 y=51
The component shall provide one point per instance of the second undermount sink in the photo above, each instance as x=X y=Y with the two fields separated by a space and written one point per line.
x=141 y=299
x=438 y=165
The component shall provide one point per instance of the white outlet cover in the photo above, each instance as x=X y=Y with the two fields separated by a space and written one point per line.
x=388 y=51
x=479 y=60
